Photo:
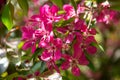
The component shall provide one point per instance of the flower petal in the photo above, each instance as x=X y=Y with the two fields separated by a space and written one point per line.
x=91 y=49
x=27 y=45
x=65 y=65
x=54 y=9
x=82 y=60
x=76 y=71
x=77 y=50
x=33 y=47
x=46 y=56
x=57 y=55
x=67 y=57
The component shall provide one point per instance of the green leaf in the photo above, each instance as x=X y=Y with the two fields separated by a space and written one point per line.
x=65 y=78
x=58 y=3
x=7 y=17
x=115 y=5
x=20 y=45
x=101 y=48
x=24 y=5
x=12 y=9
x=62 y=23
x=74 y=4
x=38 y=51
x=61 y=12
x=10 y=77
x=36 y=66
x=43 y=67
x=100 y=1
x=90 y=65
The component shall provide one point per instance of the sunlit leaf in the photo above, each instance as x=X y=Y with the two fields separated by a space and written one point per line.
x=61 y=12
x=10 y=77
x=24 y=5
x=7 y=17
x=12 y=9
x=20 y=45
x=62 y=23
x=74 y=4
x=58 y=3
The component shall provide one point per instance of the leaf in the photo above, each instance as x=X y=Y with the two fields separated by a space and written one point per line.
x=20 y=45
x=62 y=23
x=43 y=67
x=10 y=77
x=24 y=5
x=7 y=17
x=36 y=66
x=58 y=3
x=4 y=74
x=65 y=78
x=100 y=1
x=38 y=51
x=90 y=65
x=12 y=9
x=74 y=4
x=61 y=12
x=115 y=5
x=101 y=48
x=98 y=46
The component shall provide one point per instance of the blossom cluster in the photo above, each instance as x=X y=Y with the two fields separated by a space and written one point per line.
x=63 y=36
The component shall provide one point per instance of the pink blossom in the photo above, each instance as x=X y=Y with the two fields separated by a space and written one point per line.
x=107 y=16
x=70 y=11
x=49 y=15
x=52 y=53
x=78 y=58
x=87 y=45
x=73 y=62
x=27 y=35
x=73 y=30
x=27 y=32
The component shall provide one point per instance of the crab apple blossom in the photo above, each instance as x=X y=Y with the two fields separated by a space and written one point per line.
x=71 y=12
x=41 y=32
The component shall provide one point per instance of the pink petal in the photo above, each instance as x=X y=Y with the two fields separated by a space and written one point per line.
x=92 y=31
x=79 y=38
x=57 y=55
x=77 y=50
x=80 y=9
x=79 y=24
x=37 y=73
x=46 y=56
x=67 y=57
x=33 y=47
x=89 y=40
x=91 y=49
x=27 y=32
x=42 y=44
x=65 y=65
x=82 y=60
x=44 y=9
x=35 y=18
x=62 y=30
x=56 y=67
x=27 y=45
x=76 y=71
x=68 y=8
x=69 y=38
x=54 y=9
x=57 y=42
